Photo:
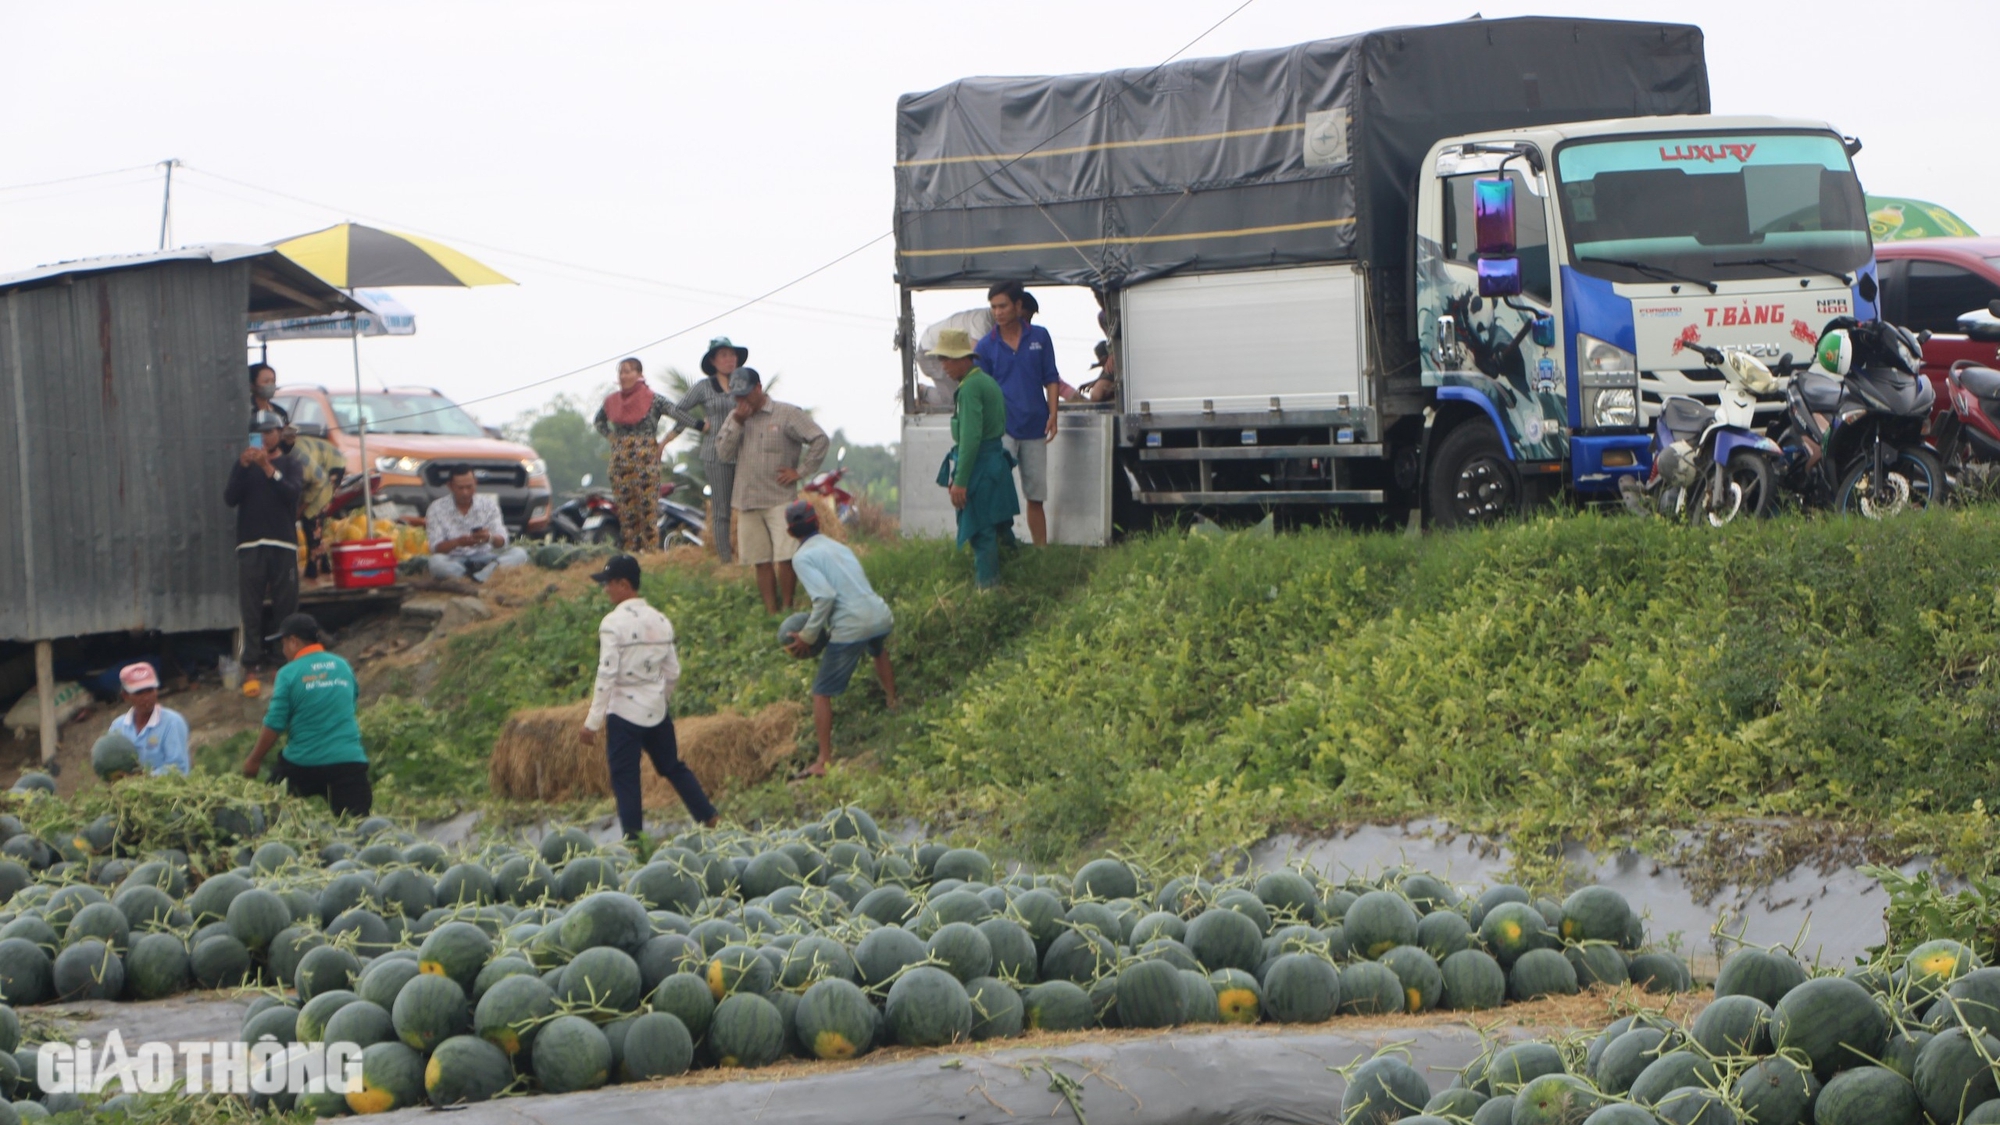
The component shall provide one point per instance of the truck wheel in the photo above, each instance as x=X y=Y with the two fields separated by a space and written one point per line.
x=1472 y=482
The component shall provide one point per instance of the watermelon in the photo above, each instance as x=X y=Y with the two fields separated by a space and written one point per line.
x=1694 y=1105
x=768 y=871
x=1596 y=913
x=1953 y=1074
x=1670 y=1072
x=1660 y=972
x=158 y=966
x=611 y=918
x=1458 y=1102
x=835 y=1020
x=997 y=1010
x=1442 y=933
x=407 y=891
x=314 y=1013
x=1556 y=1099
x=1239 y=997
x=1382 y=1090
x=1014 y=955
x=1625 y=1057
x=1104 y=879
x=888 y=906
x=604 y=980
x=210 y=901
x=1973 y=1000
x=1378 y=922
x=570 y=1053
x=1541 y=972
x=272 y=856
x=686 y=997
x=748 y=1031
x=102 y=921
x=384 y=978
x=145 y=907
x=1515 y=1066
x=1425 y=893
x=1083 y=955
x=1097 y=917
x=288 y=949
x=1301 y=988
x=1765 y=974
x=884 y=952
x=1202 y=1005
x=465 y=884
x=1422 y=981
x=1512 y=929
x=430 y=1010
x=1596 y=962
x=1777 y=1091
x=1986 y=1113
x=360 y=1023
x=457 y=950
x=739 y=968
x=1934 y=964
x=510 y=1012
x=928 y=1007
x=1056 y=1005
x=1223 y=939
x=1472 y=981
x=216 y=962
x=815 y=957
x=522 y=880
x=466 y=1069
x=1868 y=1095
x=114 y=757
x=279 y=1022
x=26 y=975
x=657 y=1045
x=1612 y=1113
x=89 y=970
x=1289 y=894
x=324 y=969
x=962 y=950
x=1734 y=1025
x=1832 y=1021
x=1900 y=1052
x=1368 y=988
x=1499 y=1110
x=256 y=917
x=967 y=864
x=1150 y=995
x=392 y=1077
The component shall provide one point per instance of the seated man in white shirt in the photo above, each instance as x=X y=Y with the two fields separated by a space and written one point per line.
x=468 y=540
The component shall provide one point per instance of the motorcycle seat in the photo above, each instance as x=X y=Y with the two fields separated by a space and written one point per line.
x=1686 y=417
x=1983 y=382
x=1821 y=392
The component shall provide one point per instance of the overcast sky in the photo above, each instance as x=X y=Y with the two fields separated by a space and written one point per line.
x=710 y=152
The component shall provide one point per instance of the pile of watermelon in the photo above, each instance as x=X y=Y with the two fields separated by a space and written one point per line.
x=564 y=965
x=1908 y=1041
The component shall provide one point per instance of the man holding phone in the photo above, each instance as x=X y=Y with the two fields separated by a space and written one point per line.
x=264 y=488
x=467 y=537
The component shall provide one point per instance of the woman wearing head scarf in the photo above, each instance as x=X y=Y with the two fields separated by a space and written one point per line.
x=630 y=417
x=711 y=397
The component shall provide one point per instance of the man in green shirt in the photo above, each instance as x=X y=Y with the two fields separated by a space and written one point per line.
x=313 y=705
x=979 y=471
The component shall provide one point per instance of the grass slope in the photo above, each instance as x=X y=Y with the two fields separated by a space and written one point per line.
x=1583 y=675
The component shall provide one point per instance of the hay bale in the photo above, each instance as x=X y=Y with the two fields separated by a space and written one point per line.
x=539 y=756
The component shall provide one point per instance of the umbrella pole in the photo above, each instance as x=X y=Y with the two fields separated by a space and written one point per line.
x=361 y=429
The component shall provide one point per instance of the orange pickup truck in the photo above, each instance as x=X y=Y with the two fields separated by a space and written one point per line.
x=415 y=436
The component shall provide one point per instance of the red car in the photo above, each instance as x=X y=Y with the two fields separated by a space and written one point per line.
x=1929 y=283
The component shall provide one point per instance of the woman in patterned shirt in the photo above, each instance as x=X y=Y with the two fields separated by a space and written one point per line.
x=630 y=417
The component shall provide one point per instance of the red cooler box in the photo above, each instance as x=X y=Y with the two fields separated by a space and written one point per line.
x=368 y=562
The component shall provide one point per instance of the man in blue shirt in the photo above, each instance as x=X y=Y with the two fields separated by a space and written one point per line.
x=159 y=733
x=847 y=616
x=1022 y=359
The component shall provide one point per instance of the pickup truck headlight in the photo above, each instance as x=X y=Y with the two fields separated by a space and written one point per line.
x=534 y=466
x=405 y=465
x=1608 y=378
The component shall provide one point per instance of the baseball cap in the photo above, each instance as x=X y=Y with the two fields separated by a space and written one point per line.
x=138 y=677
x=744 y=381
x=304 y=626
x=618 y=566
x=801 y=519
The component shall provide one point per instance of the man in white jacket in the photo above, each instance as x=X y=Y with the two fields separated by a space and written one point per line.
x=637 y=669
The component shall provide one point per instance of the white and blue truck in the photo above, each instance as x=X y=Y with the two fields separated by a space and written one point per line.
x=1453 y=269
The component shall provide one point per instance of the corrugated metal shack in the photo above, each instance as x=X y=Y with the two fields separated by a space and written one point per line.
x=123 y=403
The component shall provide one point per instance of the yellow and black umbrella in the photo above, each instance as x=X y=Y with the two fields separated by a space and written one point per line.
x=351 y=256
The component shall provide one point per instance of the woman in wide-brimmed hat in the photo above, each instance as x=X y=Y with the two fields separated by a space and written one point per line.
x=630 y=418
x=712 y=398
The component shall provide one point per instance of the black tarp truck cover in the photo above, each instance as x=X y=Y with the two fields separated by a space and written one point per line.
x=1266 y=158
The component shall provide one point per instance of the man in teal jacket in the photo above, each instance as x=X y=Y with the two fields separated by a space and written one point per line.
x=313 y=705
x=979 y=472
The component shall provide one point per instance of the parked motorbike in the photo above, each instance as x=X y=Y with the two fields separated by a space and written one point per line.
x=591 y=516
x=1853 y=428
x=1708 y=464
x=1967 y=436
x=828 y=485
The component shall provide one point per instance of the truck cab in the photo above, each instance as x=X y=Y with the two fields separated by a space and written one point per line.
x=1623 y=242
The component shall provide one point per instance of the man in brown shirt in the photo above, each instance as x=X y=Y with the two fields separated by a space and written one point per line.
x=775 y=445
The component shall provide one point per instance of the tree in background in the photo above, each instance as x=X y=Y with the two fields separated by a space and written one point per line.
x=561 y=433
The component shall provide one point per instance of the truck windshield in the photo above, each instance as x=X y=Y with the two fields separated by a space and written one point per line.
x=1712 y=206
x=392 y=413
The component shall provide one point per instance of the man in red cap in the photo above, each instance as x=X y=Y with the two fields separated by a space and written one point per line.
x=159 y=733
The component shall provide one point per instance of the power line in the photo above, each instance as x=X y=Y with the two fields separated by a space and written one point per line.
x=815 y=271
x=73 y=179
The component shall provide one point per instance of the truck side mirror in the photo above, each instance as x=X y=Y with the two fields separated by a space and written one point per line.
x=1981 y=325
x=1499 y=277
x=1993 y=306
x=1493 y=217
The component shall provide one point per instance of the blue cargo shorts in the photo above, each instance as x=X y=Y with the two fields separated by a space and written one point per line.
x=838 y=662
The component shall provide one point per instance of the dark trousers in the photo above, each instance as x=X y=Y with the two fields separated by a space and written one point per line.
x=265 y=573
x=623 y=740
x=344 y=785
